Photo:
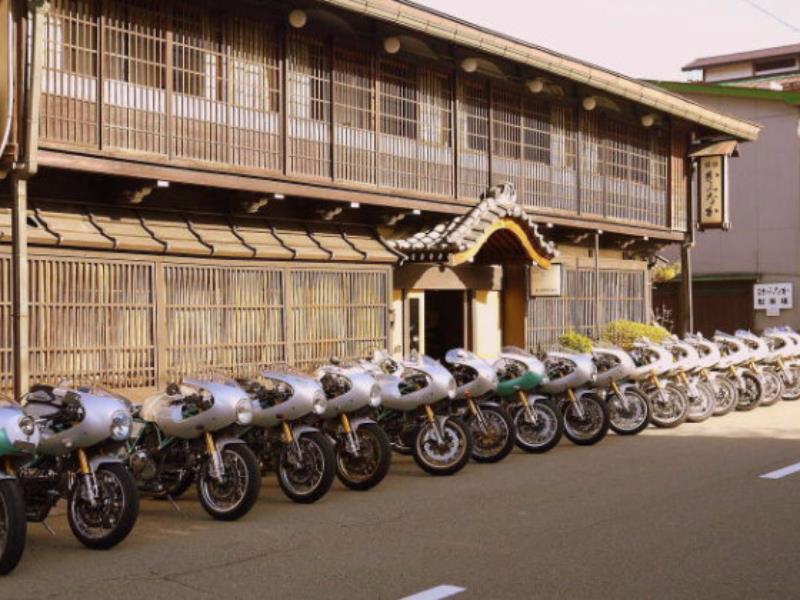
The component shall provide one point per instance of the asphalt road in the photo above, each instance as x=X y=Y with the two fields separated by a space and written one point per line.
x=666 y=514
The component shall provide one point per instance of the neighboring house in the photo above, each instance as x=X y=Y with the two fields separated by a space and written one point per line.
x=763 y=244
x=218 y=185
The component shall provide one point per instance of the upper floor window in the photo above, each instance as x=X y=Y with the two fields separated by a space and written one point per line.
x=308 y=78
x=134 y=38
x=398 y=93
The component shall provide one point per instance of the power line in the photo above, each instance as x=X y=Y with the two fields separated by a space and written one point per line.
x=772 y=15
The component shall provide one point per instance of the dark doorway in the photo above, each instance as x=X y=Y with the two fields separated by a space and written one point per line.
x=726 y=305
x=444 y=321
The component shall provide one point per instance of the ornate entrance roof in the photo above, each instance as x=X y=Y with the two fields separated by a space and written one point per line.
x=498 y=228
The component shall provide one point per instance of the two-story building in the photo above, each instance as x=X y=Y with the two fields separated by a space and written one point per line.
x=218 y=185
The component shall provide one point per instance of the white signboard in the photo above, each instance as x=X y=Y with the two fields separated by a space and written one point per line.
x=772 y=297
x=546 y=282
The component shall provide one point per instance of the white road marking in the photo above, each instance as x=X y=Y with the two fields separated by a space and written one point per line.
x=436 y=593
x=790 y=470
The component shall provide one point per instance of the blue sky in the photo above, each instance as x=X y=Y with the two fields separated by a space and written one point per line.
x=641 y=38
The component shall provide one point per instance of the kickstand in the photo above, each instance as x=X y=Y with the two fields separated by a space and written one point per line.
x=49 y=529
x=175 y=505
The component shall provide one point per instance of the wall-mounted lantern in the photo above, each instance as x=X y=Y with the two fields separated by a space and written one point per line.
x=298 y=18
x=470 y=65
x=589 y=103
x=535 y=86
x=392 y=45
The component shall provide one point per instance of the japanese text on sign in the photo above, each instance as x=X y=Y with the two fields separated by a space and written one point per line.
x=772 y=297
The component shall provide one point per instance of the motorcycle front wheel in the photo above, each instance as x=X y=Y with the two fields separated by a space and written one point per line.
x=791 y=389
x=370 y=466
x=702 y=407
x=234 y=495
x=443 y=456
x=109 y=521
x=726 y=397
x=493 y=441
x=306 y=467
x=540 y=433
x=13 y=525
x=751 y=395
x=630 y=420
x=586 y=420
x=773 y=387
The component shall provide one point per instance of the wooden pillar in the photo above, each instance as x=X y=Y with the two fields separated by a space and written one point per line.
x=19 y=288
x=686 y=300
x=597 y=312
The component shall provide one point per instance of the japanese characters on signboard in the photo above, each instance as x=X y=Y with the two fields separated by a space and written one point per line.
x=772 y=297
x=712 y=192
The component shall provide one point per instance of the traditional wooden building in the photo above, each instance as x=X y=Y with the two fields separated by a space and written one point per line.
x=195 y=185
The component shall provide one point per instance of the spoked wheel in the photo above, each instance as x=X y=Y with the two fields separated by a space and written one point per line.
x=232 y=496
x=443 y=448
x=306 y=467
x=670 y=406
x=773 y=387
x=493 y=438
x=726 y=397
x=630 y=414
x=751 y=393
x=111 y=518
x=791 y=384
x=702 y=406
x=13 y=526
x=586 y=420
x=541 y=430
x=369 y=466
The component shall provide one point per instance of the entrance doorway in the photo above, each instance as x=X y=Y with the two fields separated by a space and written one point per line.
x=445 y=323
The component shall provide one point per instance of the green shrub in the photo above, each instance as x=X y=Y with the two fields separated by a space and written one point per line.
x=623 y=333
x=572 y=340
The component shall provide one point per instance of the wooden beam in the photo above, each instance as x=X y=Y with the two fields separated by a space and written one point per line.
x=686 y=295
x=20 y=305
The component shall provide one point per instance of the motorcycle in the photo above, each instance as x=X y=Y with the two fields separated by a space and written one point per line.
x=302 y=457
x=539 y=424
x=726 y=394
x=701 y=395
x=628 y=406
x=363 y=452
x=440 y=444
x=570 y=377
x=668 y=402
x=174 y=445
x=758 y=363
x=492 y=429
x=19 y=438
x=736 y=353
x=82 y=429
x=784 y=350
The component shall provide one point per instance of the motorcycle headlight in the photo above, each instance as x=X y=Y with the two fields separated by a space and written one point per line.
x=451 y=388
x=320 y=402
x=244 y=411
x=375 y=396
x=27 y=425
x=120 y=425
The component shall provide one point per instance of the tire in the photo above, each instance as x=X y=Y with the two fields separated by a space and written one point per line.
x=13 y=525
x=539 y=437
x=594 y=425
x=750 y=397
x=316 y=479
x=178 y=486
x=236 y=495
x=773 y=387
x=671 y=409
x=496 y=445
x=372 y=436
x=702 y=407
x=792 y=392
x=448 y=462
x=726 y=397
x=635 y=419
x=83 y=518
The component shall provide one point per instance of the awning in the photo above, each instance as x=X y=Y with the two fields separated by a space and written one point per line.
x=497 y=230
x=176 y=233
x=724 y=148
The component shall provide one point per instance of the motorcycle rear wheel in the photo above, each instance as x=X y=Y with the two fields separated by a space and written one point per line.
x=702 y=407
x=446 y=458
x=93 y=526
x=773 y=387
x=544 y=434
x=13 y=525
x=635 y=419
x=349 y=469
x=592 y=427
x=234 y=496
x=726 y=397
x=310 y=481
x=751 y=396
x=670 y=411
x=496 y=443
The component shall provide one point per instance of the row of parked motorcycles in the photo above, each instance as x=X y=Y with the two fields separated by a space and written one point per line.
x=99 y=452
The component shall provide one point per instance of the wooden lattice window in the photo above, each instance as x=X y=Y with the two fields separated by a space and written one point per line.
x=536 y=132
x=398 y=96
x=680 y=173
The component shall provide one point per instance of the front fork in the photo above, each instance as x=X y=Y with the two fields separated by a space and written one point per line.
x=618 y=393
x=690 y=384
x=736 y=377
x=217 y=468
x=787 y=373
x=90 y=491
x=476 y=412
x=431 y=418
x=530 y=414
x=710 y=380
x=578 y=406
x=351 y=441
x=659 y=385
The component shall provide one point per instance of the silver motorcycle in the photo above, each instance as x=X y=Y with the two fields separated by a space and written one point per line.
x=363 y=451
x=179 y=439
x=282 y=436
x=759 y=363
x=725 y=392
x=783 y=354
x=83 y=430
x=628 y=406
x=735 y=356
x=19 y=438
x=702 y=400
x=410 y=389
x=492 y=429
x=668 y=402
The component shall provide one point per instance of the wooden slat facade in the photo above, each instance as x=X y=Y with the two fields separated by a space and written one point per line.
x=177 y=83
